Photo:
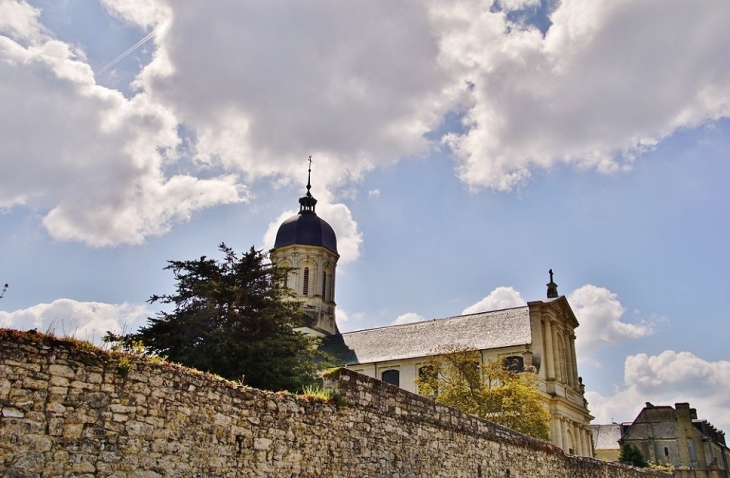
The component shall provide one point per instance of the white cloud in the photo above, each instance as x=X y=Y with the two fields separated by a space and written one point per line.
x=610 y=79
x=347 y=322
x=512 y=5
x=499 y=298
x=19 y=20
x=665 y=379
x=374 y=193
x=144 y=13
x=90 y=160
x=289 y=80
x=600 y=314
x=81 y=320
x=273 y=83
x=407 y=318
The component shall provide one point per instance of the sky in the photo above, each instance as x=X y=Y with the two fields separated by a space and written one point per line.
x=460 y=150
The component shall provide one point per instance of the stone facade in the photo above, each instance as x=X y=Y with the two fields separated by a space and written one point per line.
x=674 y=436
x=68 y=409
x=543 y=343
x=312 y=278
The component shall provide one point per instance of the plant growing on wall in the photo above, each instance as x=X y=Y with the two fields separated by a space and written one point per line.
x=231 y=317
x=456 y=377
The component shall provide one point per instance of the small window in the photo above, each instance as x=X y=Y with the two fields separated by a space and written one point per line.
x=514 y=363
x=666 y=451
x=392 y=377
x=305 y=287
x=324 y=286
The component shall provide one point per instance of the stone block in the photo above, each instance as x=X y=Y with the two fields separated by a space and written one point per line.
x=62 y=371
x=11 y=412
x=261 y=444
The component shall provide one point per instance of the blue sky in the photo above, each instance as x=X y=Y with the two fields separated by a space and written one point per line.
x=459 y=153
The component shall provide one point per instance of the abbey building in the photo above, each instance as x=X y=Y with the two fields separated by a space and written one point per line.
x=538 y=337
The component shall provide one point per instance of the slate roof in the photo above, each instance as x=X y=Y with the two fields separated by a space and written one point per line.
x=606 y=437
x=308 y=229
x=485 y=330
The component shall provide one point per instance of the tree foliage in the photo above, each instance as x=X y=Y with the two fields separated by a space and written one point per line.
x=233 y=318
x=455 y=377
x=630 y=454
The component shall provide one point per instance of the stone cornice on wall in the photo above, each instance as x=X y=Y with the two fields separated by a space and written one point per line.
x=67 y=408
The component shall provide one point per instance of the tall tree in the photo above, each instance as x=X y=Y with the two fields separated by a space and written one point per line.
x=455 y=377
x=233 y=318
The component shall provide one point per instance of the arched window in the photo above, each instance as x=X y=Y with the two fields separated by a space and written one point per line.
x=324 y=286
x=391 y=376
x=305 y=285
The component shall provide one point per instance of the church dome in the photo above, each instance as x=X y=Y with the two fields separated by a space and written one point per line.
x=307 y=229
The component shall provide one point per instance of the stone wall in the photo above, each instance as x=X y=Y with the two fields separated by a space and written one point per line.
x=68 y=409
x=683 y=473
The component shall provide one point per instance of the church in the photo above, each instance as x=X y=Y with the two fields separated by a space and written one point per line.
x=538 y=337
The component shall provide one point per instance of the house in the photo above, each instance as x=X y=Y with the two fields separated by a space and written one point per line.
x=538 y=337
x=674 y=436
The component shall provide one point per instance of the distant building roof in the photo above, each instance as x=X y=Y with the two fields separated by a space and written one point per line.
x=484 y=330
x=606 y=437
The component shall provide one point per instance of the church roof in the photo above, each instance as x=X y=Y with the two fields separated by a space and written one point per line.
x=306 y=228
x=484 y=330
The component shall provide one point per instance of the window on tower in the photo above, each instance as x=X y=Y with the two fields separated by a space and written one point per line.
x=324 y=286
x=305 y=286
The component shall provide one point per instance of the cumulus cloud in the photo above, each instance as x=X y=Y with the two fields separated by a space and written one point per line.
x=81 y=320
x=499 y=298
x=260 y=86
x=665 y=379
x=608 y=80
x=347 y=322
x=600 y=315
x=407 y=318
x=93 y=162
x=288 y=80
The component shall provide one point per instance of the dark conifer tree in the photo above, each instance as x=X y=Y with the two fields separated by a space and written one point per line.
x=232 y=317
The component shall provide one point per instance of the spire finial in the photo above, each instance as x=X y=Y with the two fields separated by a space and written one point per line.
x=552 y=287
x=307 y=202
x=309 y=176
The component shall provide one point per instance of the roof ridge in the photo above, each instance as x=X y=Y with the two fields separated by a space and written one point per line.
x=434 y=320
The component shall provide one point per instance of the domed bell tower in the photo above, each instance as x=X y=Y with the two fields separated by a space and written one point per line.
x=307 y=246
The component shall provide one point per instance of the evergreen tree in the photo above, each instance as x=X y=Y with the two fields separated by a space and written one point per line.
x=456 y=378
x=233 y=318
x=631 y=455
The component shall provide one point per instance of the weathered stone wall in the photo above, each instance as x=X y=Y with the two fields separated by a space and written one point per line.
x=70 y=410
x=682 y=473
